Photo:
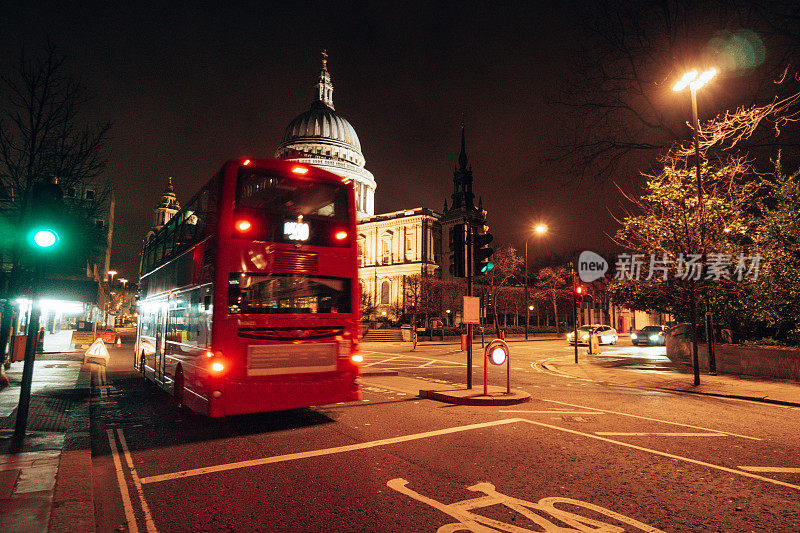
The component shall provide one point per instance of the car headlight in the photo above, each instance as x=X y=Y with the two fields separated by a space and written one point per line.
x=633 y=336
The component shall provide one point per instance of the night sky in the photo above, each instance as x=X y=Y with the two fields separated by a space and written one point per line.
x=188 y=89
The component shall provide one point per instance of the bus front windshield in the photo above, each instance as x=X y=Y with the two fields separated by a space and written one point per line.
x=287 y=294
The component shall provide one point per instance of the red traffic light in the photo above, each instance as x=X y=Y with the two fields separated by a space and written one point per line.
x=579 y=290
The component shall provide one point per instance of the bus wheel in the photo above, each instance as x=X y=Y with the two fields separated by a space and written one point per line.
x=177 y=387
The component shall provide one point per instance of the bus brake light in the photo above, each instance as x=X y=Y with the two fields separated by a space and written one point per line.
x=243 y=225
x=341 y=235
x=216 y=366
x=246 y=162
x=357 y=358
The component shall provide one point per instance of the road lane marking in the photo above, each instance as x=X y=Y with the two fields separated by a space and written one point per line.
x=776 y=469
x=668 y=455
x=654 y=420
x=123 y=486
x=384 y=361
x=615 y=434
x=554 y=412
x=325 y=451
x=148 y=518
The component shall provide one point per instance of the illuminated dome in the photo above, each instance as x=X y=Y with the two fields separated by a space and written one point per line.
x=322 y=138
x=322 y=122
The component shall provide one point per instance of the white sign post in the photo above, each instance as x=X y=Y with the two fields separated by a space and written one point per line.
x=472 y=310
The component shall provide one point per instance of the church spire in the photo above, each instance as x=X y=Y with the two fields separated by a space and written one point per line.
x=462 y=157
x=462 y=178
x=324 y=86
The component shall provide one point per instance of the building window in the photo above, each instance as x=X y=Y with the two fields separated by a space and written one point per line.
x=70 y=192
x=89 y=194
x=385 y=292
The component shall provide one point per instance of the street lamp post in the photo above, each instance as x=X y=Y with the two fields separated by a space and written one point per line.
x=694 y=81
x=540 y=229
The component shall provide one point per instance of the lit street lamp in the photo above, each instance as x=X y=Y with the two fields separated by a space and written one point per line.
x=112 y=273
x=540 y=230
x=694 y=81
x=124 y=282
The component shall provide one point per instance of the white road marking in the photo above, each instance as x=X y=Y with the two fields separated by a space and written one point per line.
x=654 y=420
x=552 y=412
x=776 y=469
x=325 y=451
x=123 y=486
x=614 y=434
x=148 y=518
x=384 y=361
x=423 y=365
x=469 y=521
x=668 y=455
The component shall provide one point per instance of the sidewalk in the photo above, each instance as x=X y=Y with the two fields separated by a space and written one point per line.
x=678 y=378
x=46 y=486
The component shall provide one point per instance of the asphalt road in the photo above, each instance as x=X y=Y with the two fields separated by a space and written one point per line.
x=580 y=455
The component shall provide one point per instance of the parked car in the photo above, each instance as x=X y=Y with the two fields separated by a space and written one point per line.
x=606 y=334
x=650 y=336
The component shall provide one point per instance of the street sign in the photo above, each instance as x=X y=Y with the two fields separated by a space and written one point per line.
x=472 y=310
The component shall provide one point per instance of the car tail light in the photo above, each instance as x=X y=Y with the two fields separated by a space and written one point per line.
x=300 y=170
x=357 y=358
x=246 y=162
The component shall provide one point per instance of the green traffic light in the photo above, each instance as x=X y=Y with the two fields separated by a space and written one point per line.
x=487 y=267
x=45 y=238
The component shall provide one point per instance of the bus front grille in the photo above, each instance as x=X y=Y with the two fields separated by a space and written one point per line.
x=276 y=359
x=296 y=261
x=289 y=333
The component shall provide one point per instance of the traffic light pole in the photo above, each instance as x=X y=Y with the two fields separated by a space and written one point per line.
x=21 y=424
x=470 y=260
x=574 y=316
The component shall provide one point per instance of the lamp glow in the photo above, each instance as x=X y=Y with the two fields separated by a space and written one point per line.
x=45 y=238
x=684 y=82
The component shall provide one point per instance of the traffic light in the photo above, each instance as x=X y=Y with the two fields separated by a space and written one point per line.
x=457 y=251
x=482 y=254
x=579 y=292
x=45 y=217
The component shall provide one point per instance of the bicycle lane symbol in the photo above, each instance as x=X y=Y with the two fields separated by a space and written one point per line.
x=469 y=521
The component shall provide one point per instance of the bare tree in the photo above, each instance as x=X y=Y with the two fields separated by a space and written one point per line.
x=617 y=104
x=43 y=137
x=553 y=283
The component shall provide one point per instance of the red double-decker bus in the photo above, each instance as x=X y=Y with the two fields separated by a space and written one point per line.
x=249 y=295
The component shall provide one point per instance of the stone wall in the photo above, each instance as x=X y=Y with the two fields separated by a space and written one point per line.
x=759 y=361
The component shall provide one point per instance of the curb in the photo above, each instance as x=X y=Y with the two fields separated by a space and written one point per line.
x=758 y=399
x=468 y=397
x=73 y=497
x=380 y=373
